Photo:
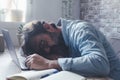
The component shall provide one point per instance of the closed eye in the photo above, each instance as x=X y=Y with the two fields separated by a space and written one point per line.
x=43 y=44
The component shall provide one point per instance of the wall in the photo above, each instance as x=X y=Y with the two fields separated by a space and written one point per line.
x=105 y=15
x=102 y=13
x=52 y=10
x=45 y=10
x=48 y=10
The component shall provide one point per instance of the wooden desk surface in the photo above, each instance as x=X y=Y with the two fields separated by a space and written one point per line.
x=7 y=67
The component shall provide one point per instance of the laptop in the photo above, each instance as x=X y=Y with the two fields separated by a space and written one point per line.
x=17 y=59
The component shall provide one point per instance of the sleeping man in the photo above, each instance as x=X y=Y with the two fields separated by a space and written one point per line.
x=73 y=45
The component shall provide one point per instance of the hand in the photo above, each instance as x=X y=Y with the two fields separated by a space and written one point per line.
x=38 y=62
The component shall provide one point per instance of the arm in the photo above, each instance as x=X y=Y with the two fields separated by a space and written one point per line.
x=93 y=60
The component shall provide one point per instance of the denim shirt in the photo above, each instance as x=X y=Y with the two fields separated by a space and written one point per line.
x=90 y=52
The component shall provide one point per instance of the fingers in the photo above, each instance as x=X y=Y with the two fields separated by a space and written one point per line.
x=36 y=61
x=28 y=64
x=29 y=61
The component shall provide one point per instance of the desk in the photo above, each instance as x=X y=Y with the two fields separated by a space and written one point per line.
x=7 y=67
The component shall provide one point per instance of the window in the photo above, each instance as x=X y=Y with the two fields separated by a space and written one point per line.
x=12 y=10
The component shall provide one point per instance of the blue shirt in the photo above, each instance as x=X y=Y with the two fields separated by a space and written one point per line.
x=90 y=52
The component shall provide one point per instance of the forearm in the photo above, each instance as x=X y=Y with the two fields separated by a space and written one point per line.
x=87 y=66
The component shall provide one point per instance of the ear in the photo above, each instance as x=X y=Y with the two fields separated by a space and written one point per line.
x=49 y=28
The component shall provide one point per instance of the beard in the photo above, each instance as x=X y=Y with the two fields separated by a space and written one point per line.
x=56 y=51
x=54 y=35
x=60 y=49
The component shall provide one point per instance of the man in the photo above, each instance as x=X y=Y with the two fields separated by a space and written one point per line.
x=86 y=50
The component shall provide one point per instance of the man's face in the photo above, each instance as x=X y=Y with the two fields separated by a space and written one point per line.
x=49 y=44
x=46 y=40
x=43 y=41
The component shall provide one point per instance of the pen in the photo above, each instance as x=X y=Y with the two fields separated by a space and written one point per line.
x=49 y=74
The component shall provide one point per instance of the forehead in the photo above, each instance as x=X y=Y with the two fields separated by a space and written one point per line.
x=41 y=37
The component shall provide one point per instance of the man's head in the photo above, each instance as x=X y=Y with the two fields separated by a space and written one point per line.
x=43 y=38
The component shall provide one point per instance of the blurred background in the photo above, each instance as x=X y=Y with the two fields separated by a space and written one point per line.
x=103 y=14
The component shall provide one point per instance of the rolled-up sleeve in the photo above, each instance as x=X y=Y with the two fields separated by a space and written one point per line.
x=93 y=60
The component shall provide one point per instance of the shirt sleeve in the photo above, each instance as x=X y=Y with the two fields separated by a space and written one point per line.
x=93 y=60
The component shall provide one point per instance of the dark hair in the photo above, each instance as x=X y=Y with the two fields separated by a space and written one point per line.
x=29 y=31
x=35 y=28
